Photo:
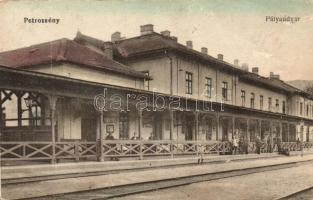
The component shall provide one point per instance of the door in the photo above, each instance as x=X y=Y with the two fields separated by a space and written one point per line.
x=89 y=129
x=157 y=127
x=189 y=127
x=123 y=126
x=224 y=129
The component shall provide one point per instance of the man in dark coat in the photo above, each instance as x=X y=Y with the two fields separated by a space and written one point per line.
x=258 y=144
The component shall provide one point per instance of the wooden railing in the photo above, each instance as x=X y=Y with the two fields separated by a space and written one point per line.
x=133 y=148
x=252 y=148
x=77 y=150
x=47 y=150
x=297 y=146
x=291 y=146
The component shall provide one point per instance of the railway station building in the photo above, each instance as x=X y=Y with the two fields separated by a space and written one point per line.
x=141 y=96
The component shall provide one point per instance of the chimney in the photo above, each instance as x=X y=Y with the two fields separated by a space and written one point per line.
x=277 y=76
x=146 y=29
x=116 y=36
x=274 y=76
x=245 y=67
x=220 y=56
x=204 y=50
x=255 y=70
x=174 y=38
x=236 y=62
x=108 y=49
x=189 y=44
x=166 y=33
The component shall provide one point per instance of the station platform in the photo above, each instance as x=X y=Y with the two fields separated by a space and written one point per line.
x=153 y=170
x=9 y=172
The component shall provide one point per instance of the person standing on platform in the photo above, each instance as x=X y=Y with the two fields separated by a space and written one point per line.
x=136 y=145
x=246 y=145
x=235 y=144
x=112 y=146
x=109 y=137
x=135 y=137
x=298 y=144
x=258 y=144
x=269 y=144
x=278 y=143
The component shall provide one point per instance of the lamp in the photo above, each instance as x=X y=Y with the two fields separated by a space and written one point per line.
x=28 y=101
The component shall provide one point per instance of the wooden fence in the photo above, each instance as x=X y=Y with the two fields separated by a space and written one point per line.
x=78 y=150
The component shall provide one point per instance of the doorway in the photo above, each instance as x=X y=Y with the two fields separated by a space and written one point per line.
x=89 y=129
x=189 y=127
x=158 y=126
x=123 y=125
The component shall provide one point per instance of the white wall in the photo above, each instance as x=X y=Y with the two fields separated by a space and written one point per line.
x=159 y=69
x=249 y=88
x=89 y=74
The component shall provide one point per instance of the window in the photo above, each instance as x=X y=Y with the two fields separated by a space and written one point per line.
x=147 y=81
x=243 y=98
x=307 y=110
x=252 y=100
x=188 y=83
x=301 y=108
x=224 y=90
x=269 y=103
x=277 y=105
x=261 y=102
x=208 y=87
x=284 y=107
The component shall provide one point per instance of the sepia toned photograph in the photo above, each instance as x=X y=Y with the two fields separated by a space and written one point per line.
x=156 y=99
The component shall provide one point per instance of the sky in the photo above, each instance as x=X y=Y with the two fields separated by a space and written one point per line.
x=235 y=28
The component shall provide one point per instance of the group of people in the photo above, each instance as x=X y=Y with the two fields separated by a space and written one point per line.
x=240 y=144
x=135 y=137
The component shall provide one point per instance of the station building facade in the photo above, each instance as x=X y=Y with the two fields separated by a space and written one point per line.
x=219 y=99
x=179 y=70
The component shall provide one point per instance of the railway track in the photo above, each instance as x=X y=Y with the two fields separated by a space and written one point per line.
x=306 y=194
x=125 y=190
x=22 y=180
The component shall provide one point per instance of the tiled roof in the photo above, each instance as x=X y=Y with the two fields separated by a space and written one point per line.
x=64 y=50
x=153 y=42
x=157 y=42
x=271 y=82
x=143 y=44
